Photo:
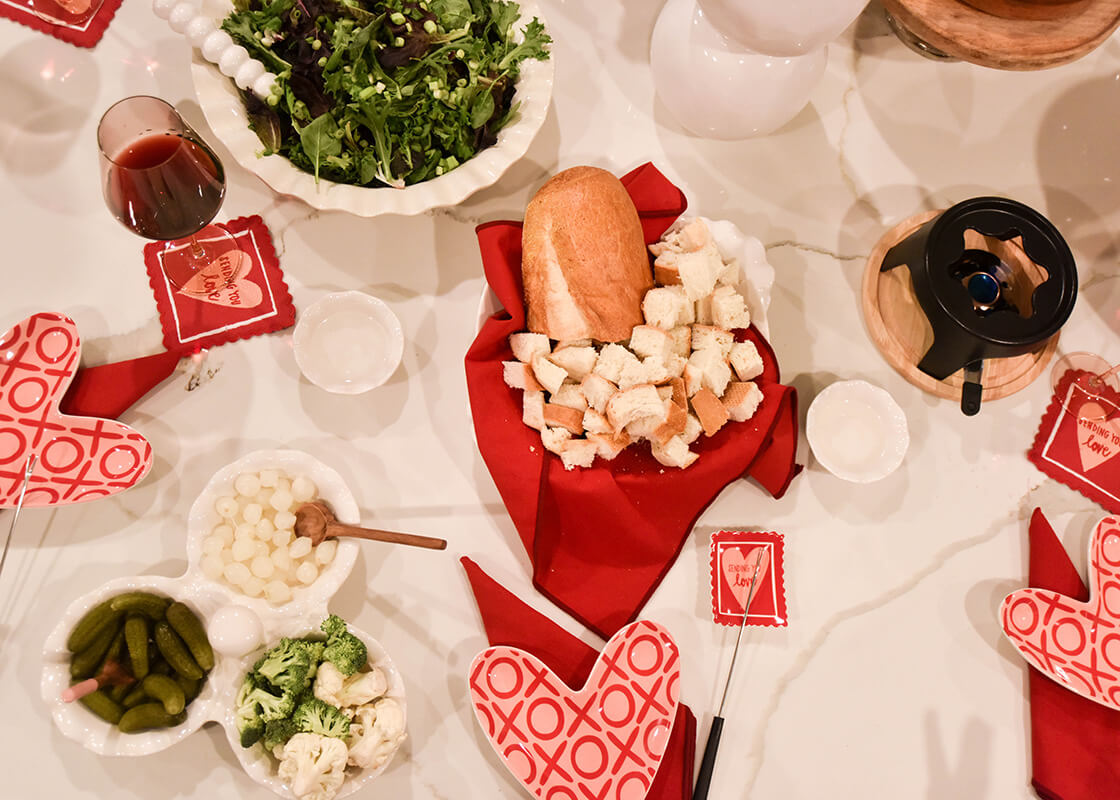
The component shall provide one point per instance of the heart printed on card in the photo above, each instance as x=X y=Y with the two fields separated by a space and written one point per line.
x=223 y=282
x=602 y=742
x=1098 y=435
x=1075 y=643
x=738 y=564
x=78 y=458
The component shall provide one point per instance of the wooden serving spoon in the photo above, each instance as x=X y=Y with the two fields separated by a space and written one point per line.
x=317 y=522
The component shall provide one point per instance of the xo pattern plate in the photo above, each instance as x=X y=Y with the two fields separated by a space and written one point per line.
x=1073 y=642
x=603 y=742
x=79 y=458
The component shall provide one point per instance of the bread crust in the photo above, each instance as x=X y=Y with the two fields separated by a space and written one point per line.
x=584 y=263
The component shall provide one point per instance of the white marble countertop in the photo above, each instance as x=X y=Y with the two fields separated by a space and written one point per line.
x=892 y=678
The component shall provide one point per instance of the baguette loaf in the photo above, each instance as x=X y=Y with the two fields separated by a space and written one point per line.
x=584 y=262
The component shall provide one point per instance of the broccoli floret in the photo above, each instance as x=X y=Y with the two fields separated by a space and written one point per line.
x=345 y=650
x=279 y=731
x=250 y=724
x=272 y=707
x=316 y=716
x=286 y=666
x=314 y=650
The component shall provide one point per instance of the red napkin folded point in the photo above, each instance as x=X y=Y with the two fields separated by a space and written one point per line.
x=109 y=390
x=601 y=539
x=87 y=35
x=1074 y=741
x=508 y=621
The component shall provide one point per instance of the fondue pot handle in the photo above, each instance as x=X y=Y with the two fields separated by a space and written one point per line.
x=972 y=391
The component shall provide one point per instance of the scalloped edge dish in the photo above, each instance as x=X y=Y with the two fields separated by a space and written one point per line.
x=222 y=107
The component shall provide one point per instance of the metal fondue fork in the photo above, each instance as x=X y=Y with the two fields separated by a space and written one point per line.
x=19 y=507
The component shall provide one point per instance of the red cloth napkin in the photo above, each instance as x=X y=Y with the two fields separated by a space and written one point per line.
x=508 y=621
x=110 y=389
x=1074 y=741
x=601 y=539
x=88 y=35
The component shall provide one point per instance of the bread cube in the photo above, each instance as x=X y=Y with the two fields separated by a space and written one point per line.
x=729 y=309
x=714 y=369
x=532 y=409
x=665 y=392
x=692 y=429
x=595 y=422
x=527 y=346
x=555 y=439
x=666 y=275
x=709 y=410
x=578 y=453
x=576 y=361
x=711 y=336
x=698 y=269
x=682 y=340
x=597 y=390
x=608 y=446
x=570 y=395
x=674 y=424
x=693 y=378
x=703 y=310
x=574 y=343
x=630 y=404
x=674 y=453
x=611 y=361
x=550 y=376
x=649 y=342
x=745 y=360
x=563 y=417
x=633 y=374
x=742 y=400
x=519 y=375
x=686 y=238
x=679 y=394
x=730 y=274
x=667 y=307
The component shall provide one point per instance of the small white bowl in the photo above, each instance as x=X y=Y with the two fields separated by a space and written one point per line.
x=348 y=342
x=857 y=431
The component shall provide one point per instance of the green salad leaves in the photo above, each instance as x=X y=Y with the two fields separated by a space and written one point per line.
x=384 y=93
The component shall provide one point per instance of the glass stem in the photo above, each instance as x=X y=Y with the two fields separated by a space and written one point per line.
x=196 y=249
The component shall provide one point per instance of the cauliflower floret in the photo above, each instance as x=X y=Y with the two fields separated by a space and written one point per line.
x=328 y=683
x=313 y=766
x=376 y=733
x=363 y=687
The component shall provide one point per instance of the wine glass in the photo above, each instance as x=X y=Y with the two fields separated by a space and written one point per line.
x=162 y=181
x=1080 y=377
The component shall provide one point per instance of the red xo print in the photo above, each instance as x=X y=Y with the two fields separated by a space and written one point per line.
x=603 y=742
x=79 y=458
x=1075 y=643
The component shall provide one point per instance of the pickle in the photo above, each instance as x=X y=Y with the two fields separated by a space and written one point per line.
x=167 y=691
x=147 y=716
x=136 y=638
x=176 y=652
x=91 y=624
x=150 y=605
x=190 y=687
x=159 y=666
x=84 y=664
x=184 y=622
x=136 y=695
x=119 y=692
x=103 y=706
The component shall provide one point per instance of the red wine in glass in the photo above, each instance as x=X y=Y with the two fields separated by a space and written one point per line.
x=163 y=182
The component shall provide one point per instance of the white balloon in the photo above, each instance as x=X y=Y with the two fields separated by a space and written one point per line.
x=782 y=27
x=717 y=88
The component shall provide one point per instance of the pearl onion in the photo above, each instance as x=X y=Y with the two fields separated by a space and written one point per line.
x=300 y=547
x=163 y=7
x=247 y=484
x=262 y=567
x=306 y=573
x=277 y=592
x=232 y=59
x=198 y=29
x=247 y=73
x=181 y=17
x=215 y=44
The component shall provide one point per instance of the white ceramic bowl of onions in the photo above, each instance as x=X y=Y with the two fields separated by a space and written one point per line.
x=332 y=560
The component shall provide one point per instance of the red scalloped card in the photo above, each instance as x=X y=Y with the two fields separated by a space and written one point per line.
x=1078 y=441
x=84 y=34
x=731 y=557
x=257 y=302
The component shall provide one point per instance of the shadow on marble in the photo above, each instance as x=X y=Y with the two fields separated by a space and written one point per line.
x=981 y=606
x=963 y=773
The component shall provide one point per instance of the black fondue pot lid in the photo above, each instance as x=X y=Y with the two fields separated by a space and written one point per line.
x=1002 y=218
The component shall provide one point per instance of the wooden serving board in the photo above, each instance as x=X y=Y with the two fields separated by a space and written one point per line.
x=899 y=328
x=1010 y=34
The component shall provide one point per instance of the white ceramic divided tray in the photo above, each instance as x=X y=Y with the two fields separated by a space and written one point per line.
x=756 y=276
x=216 y=703
x=224 y=111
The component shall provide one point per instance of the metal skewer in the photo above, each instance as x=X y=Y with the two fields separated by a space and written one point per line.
x=708 y=762
x=19 y=507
